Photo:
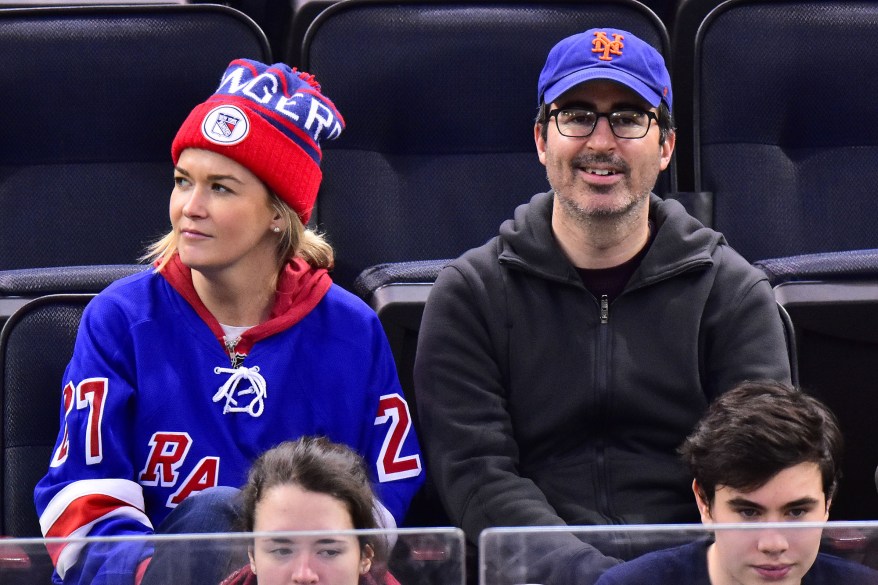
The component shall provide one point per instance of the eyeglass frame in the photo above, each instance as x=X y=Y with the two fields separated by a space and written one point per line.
x=650 y=115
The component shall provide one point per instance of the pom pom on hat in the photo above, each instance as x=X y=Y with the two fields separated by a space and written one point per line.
x=271 y=119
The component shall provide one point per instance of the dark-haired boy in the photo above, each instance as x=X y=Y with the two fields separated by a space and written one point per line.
x=764 y=452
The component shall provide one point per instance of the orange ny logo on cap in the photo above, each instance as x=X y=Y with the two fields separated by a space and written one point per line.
x=604 y=45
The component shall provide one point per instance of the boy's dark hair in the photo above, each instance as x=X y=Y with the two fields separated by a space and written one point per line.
x=758 y=429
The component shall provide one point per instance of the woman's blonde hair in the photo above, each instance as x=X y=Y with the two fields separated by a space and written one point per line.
x=295 y=241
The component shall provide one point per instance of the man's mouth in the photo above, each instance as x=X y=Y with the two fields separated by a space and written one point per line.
x=773 y=572
x=600 y=172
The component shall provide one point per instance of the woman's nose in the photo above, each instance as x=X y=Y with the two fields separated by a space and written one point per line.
x=302 y=571
x=194 y=206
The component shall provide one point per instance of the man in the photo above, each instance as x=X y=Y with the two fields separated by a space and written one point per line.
x=764 y=452
x=560 y=365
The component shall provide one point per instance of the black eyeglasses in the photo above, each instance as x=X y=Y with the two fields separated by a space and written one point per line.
x=579 y=122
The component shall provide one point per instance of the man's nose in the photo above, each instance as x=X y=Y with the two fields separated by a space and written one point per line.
x=772 y=542
x=602 y=137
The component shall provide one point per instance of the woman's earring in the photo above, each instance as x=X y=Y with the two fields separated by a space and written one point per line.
x=275 y=229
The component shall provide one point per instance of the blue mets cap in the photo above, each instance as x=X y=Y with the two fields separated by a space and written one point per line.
x=605 y=53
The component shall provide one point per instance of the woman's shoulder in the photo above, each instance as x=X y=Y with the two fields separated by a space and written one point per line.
x=345 y=316
x=130 y=295
x=347 y=303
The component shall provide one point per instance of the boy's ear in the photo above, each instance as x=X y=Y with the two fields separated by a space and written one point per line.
x=702 y=502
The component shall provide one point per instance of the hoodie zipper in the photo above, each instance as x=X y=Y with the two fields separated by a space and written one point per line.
x=603 y=362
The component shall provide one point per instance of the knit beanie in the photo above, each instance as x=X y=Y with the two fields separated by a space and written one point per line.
x=270 y=119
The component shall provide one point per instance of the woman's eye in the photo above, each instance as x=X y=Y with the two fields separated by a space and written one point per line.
x=280 y=552
x=220 y=188
x=330 y=553
x=181 y=181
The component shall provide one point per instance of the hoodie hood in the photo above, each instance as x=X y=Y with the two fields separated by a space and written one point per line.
x=299 y=288
x=680 y=242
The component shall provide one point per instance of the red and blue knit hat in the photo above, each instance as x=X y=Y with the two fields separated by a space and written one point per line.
x=271 y=119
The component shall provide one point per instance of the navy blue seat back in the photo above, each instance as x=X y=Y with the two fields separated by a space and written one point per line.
x=687 y=16
x=35 y=346
x=835 y=323
x=786 y=137
x=92 y=98
x=440 y=100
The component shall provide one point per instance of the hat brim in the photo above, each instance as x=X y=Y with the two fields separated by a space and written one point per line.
x=570 y=81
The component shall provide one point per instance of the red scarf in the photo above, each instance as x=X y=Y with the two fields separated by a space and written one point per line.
x=299 y=288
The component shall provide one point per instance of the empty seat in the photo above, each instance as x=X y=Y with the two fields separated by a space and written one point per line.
x=92 y=98
x=832 y=301
x=35 y=346
x=783 y=139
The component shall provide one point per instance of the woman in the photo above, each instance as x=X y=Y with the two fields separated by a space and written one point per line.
x=183 y=375
x=308 y=485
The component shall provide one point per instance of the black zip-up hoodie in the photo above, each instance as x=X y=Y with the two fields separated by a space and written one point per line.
x=539 y=406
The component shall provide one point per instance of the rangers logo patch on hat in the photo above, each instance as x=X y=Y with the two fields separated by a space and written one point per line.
x=226 y=125
x=271 y=119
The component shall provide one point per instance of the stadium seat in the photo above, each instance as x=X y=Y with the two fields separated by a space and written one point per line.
x=686 y=17
x=19 y=287
x=439 y=99
x=832 y=301
x=35 y=346
x=783 y=138
x=92 y=98
x=304 y=13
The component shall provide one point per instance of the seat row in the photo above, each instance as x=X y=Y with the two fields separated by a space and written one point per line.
x=439 y=99
x=832 y=337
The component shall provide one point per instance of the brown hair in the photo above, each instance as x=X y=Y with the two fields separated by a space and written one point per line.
x=318 y=465
x=758 y=429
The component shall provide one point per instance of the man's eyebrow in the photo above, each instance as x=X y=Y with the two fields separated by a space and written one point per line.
x=744 y=503
x=806 y=501
x=616 y=106
x=576 y=104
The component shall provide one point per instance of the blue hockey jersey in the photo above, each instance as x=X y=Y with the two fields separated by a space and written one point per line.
x=155 y=409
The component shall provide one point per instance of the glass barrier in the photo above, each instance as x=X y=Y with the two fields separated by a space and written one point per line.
x=398 y=557
x=831 y=553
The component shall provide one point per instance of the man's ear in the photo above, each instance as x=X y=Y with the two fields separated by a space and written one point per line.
x=667 y=149
x=702 y=503
x=540 y=143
